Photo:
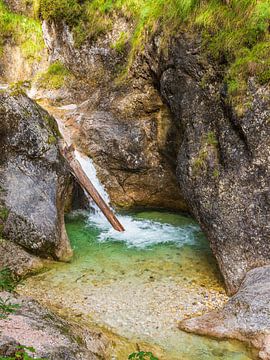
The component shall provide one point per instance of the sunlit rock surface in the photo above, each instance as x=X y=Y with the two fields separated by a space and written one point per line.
x=50 y=336
x=244 y=317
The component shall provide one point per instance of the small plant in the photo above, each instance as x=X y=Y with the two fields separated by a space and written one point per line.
x=142 y=355
x=55 y=77
x=120 y=43
x=19 y=88
x=23 y=354
x=6 y=308
x=7 y=281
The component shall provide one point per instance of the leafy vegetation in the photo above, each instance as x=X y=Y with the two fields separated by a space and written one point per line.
x=142 y=355
x=7 y=283
x=7 y=280
x=6 y=308
x=21 y=30
x=55 y=76
x=23 y=354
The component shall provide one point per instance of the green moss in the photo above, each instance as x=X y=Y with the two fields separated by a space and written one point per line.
x=19 y=88
x=21 y=30
x=211 y=139
x=55 y=77
x=52 y=124
x=121 y=43
x=4 y=213
x=52 y=140
x=199 y=163
x=216 y=173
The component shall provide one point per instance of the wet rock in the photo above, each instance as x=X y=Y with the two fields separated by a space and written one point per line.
x=223 y=165
x=245 y=317
x=33 y=180
x=122 y=125
x=52 y=337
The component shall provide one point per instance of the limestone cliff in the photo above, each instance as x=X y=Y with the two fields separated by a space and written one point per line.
x=223 y=166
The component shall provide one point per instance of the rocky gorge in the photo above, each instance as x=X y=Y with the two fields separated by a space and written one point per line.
x=169 y=133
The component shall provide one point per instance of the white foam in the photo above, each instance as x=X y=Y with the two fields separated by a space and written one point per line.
x=142 y=233
x=139 y=232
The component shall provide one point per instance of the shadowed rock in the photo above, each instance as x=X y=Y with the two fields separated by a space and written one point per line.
x=33 y=179
x=223 y=165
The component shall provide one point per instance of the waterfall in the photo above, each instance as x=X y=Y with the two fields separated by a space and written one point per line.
x=139 y=232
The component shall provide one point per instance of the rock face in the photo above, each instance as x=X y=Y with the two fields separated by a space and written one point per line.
x=52 y=338
x=245 y=317
x=33 y=179
x=123 y=126
x=223 y=165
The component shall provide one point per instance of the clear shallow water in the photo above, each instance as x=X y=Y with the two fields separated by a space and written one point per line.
x=138 y=285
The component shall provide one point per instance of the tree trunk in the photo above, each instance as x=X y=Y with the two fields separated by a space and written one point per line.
x=84 y=181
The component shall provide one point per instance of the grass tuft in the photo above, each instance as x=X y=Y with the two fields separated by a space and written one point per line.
x=20 y=30
x=55 y=77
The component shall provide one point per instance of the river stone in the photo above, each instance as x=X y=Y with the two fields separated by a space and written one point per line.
x=223 y=165
x=33 y=179
x=52 y=338
x=245 y=317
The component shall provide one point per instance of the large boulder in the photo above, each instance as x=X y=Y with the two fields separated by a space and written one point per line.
x=223 y=165
x=51 y=337
x=33 y=179
x=245 y=317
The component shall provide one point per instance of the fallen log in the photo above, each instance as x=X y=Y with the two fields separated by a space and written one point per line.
x=84 y=181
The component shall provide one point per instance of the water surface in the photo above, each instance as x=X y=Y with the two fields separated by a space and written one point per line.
x=139 y=284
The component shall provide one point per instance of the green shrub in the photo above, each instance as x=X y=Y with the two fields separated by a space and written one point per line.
x=7 y=280
x=69 y=10
x=21 y=30
x=142 y=355
x=6 y=308
x=23 y=354
x=55 y=77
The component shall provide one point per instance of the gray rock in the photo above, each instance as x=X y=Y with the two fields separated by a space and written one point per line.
x=33 y=179
x=52 y=337
x=223 y=165
x=245 y=317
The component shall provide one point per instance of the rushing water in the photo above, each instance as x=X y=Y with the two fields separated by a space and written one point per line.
x=137 y=285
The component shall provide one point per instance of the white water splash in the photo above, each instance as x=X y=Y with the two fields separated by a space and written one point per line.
x=139 y=233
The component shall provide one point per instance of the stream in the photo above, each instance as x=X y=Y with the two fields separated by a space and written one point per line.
x=137 y=285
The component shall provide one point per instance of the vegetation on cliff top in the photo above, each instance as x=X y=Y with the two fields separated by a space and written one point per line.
x=55 y=76
x=235 y=32
x=20 y=30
